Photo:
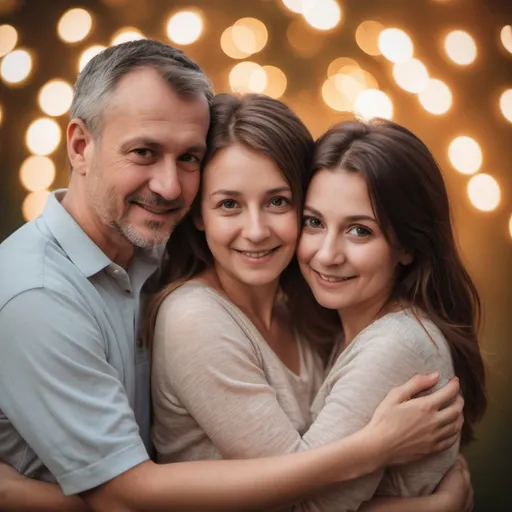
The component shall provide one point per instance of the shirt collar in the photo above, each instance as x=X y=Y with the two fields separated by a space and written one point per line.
x=81 y=250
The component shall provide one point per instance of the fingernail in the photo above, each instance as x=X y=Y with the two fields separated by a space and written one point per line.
x=434 y=375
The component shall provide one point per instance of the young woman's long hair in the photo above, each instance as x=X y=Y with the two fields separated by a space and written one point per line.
x=262 y=124
x=410 y=201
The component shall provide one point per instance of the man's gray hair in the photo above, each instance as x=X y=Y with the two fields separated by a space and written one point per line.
x=102 y=73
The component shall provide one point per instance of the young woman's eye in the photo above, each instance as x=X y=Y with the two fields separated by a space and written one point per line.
x=360 y=231
x=312 y=222
x=279 y=201
x=228 y=204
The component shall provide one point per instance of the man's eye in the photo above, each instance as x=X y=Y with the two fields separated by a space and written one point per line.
x=143 y=152
x=189 y=158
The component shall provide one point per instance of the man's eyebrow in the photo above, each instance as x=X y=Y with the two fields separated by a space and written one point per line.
x=196 y=148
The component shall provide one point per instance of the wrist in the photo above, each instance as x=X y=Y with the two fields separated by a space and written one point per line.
x=378 y=447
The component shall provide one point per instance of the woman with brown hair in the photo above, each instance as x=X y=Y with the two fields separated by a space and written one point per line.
x=233 y=376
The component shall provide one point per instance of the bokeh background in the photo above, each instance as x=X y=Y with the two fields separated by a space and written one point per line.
x=443 y=68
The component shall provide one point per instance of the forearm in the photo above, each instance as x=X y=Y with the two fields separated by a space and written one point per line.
x=236 y=485
x=430 y=503
x=27 y=495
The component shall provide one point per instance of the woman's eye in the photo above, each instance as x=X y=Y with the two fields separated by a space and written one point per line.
x=312 y=222
x=279 y=201
x=360 y=231
x=228 y=204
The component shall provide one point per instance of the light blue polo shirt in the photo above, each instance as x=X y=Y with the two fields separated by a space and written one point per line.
x=74 y=376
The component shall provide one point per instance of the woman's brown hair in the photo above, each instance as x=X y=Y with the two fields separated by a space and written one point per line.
x=257 y=122
x=410 y=201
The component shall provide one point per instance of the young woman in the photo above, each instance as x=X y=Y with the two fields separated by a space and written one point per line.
x=233 y=377
x=377 y=248
x=251 y=219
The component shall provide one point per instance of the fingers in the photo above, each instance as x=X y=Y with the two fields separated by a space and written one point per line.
x=451 y=413
x=445 y=443
x=443 y=396
x=413 y=386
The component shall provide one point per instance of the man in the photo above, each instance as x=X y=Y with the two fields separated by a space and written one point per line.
x=74 y=375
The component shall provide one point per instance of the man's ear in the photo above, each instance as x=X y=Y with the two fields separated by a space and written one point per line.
x=80 y=143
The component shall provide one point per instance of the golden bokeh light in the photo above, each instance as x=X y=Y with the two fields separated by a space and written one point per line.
x=88 y=54
x=247 y=77
x=436 y=98
x=337 y=65
x=460 y=47
x=367 y=36
x=1 y=114
x=506 y=37
x=294 y=5
x=276 y=82
x=250 y=35
x=411 y=76
x=322 y=14
x=33 y=205
x=16 y=66
x=465 y=154
x=185 y=27
x=37 y=173
x=303 y=39
x=125 y=34
x=8 y=39
x=229 y=47
x=510 y=226
x=334 y=98
x=55 y=97
x=395 y=45
x=74 y=25
x=372 y=103
x=43 y=136
x=506 y=104
x=484 y=192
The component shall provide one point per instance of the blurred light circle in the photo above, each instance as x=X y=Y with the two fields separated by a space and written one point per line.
x=484 y=192
x=37 y=173
x=460 y=47
x=33 y=205
x=276 y=82
x=74 y=25
x=465 y=154
x=88 y=54
x=43 y=136
x=367 y=36
x=247 y=77
x=338 y=64
x=372 y=103
x=294 y=5
x=55 y=97
x=411 y=76
x=505 y=36
x=510 y=226
x=8 y=39
x=506 y=104
x=229 y=47
x=304 y=39
x=436 y=98
x=1 y=115
x=16 y=66
x=126 y=34
x=185 y=27
x=250 y=35
x=333 y=98
x=395 y=45
x=321 y=14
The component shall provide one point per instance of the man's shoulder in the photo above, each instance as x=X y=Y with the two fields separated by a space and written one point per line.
x=31 y=259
